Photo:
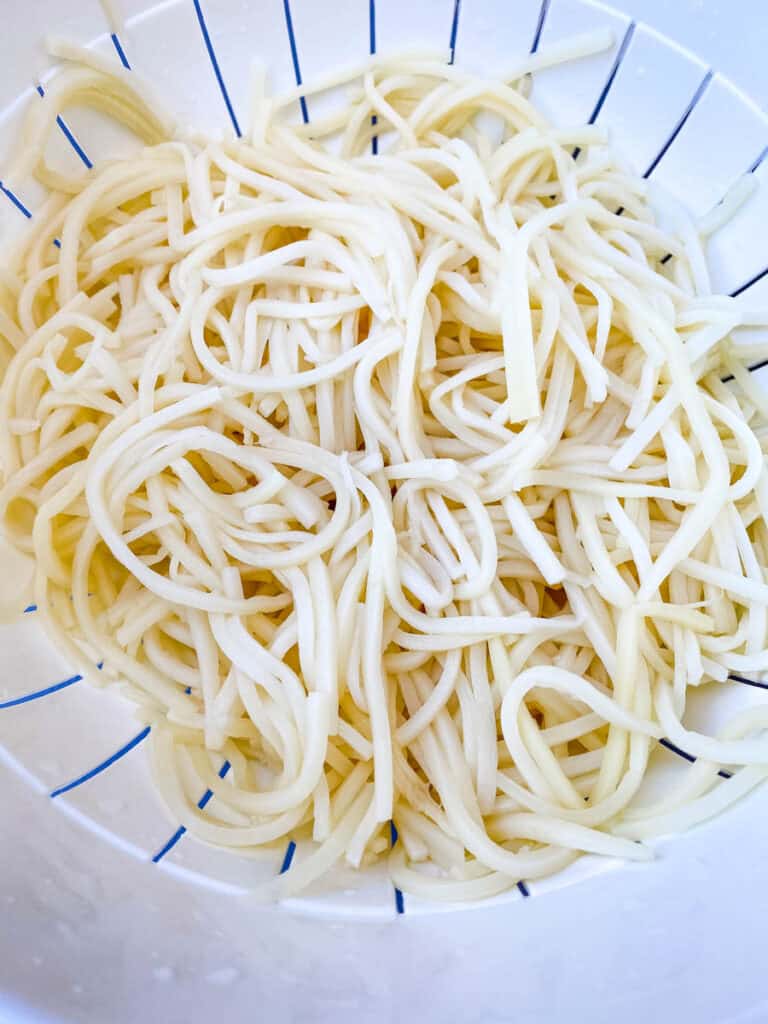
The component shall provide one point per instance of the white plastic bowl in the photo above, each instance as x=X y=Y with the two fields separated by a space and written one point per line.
x=90 y=928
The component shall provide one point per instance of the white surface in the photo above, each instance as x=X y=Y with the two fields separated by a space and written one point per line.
x=86 y=939
x=730 y=35
x=93 y=932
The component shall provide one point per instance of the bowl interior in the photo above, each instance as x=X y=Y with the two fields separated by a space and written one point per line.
x=677 y=121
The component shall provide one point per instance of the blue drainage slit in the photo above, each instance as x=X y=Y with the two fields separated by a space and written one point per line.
x=288 y=858
x=743 y=679
x=120 y=51
x=399 y=900
x=726 y=380
x=68 y=135
x=28 y=697
x=118 y=754
x=30 y=608
x=759 y=160
x=620 y=55
x=676 y=750
x=690 y=757
x=204 y=800
x=216 y=68
x=393 y=837
x=372 y=51
x=295 y=58
x=748 y=284
x=702 y=88
x=750 y=170
x=181 y=831
x=454 y=30
x=15 y=200
x=760 y=274
x=524 y=890
x=543 y=10
x=202 y=803
x=73 y=142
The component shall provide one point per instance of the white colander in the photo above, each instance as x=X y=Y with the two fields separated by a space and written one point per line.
x=109 y=912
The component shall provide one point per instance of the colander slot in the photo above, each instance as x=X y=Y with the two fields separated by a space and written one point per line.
x=202 y=803
x=372 y=51
x=759 y=160
x=295 y=57
x=37 y=694
x=702 y=87
x=620 y=55
x=653 y=81
x=567 y=93
x=288 y=858
x=103 y=765
x=169 y=845
x=748 y=682
x=15 y=200
x=119 y=50
x=393 y=837
x=317 y=47
x=68 y=134
x=454 y=30
x=543 y=11
x=429 y=27
x=736 y=251
x=742 y=288
x=700 y=173
x=216 y=67
x=669 y=745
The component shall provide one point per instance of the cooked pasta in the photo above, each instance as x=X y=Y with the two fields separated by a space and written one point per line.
x=421 y=485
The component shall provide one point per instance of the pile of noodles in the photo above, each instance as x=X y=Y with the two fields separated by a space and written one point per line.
x=418 y=485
